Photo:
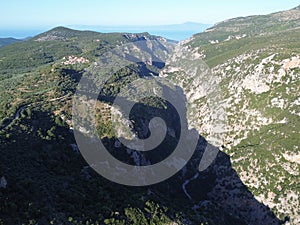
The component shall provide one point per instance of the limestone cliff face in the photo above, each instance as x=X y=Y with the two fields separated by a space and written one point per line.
x=258 y=74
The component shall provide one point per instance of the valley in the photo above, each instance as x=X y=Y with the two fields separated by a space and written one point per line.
x=255 y=176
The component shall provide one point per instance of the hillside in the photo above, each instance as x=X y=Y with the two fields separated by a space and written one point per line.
x=8 y=41
x=256 y=61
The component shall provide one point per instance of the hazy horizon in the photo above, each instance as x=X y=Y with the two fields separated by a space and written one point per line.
x=37 y=14
x=120 y=16
x=186 y=27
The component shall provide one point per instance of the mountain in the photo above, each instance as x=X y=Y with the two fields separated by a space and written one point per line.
x=256 y=61
x=8 y=41
x=44 y=179
x=254 y=179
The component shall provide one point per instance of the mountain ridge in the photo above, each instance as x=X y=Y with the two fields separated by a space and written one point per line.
x=8 y=41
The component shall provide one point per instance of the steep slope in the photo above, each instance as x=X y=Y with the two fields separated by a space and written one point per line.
x=38 y=78
x=256 y=61
x=30 y=70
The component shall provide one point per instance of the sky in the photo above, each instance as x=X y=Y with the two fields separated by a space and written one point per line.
x=44 y=14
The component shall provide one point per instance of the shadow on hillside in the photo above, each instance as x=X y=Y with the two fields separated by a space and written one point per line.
x=218 y=190
x=49 y=181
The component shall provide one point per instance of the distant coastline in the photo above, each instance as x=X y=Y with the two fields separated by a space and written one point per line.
x=176 y=32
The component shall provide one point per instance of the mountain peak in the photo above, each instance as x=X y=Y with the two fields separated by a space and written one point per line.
x=60 y=29
x=60 y=33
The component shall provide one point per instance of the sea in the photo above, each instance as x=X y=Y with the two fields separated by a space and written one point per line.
x=172 y=34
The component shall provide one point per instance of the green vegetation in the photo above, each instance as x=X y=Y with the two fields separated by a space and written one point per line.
x=263 y=153
x=50 y=183
x=8 y=41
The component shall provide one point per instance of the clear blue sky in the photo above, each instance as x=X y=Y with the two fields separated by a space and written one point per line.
x=49 y=13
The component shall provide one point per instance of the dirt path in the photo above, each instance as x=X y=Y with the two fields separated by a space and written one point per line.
x=22 y=108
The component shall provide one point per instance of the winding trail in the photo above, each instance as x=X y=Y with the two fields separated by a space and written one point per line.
x=17 y=114
x=22 y=108
x=187 y=182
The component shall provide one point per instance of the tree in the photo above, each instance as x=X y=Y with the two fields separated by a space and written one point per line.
x=59 y=121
